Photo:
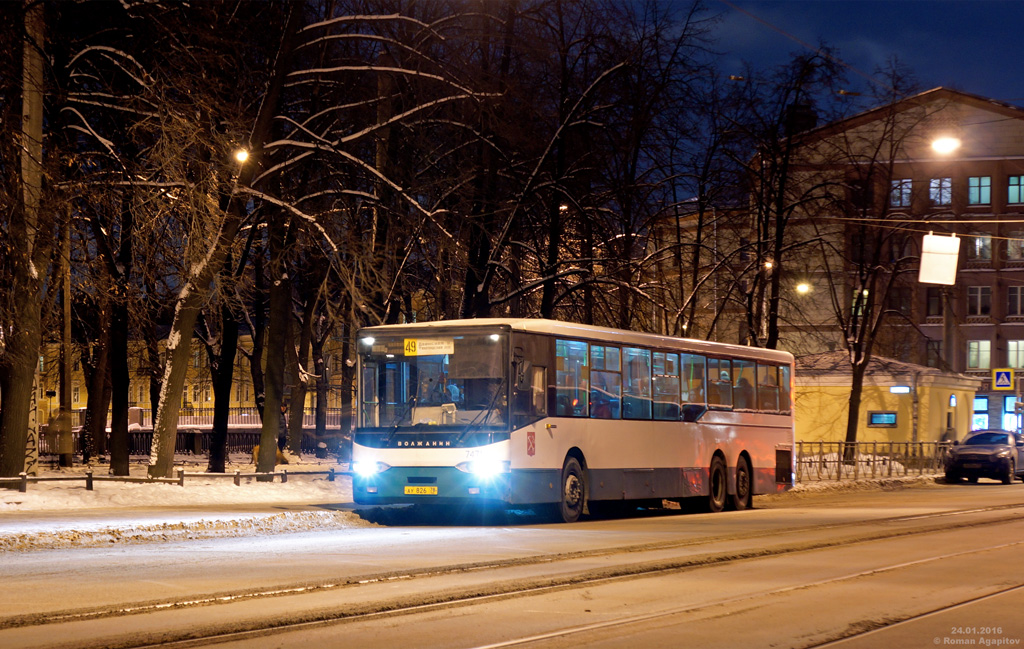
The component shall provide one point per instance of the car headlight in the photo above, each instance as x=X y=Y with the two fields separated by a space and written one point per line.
x=1003 y=454
x=365 y=469
x=485 y=468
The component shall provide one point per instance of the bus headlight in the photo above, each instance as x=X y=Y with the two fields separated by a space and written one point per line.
x=485 y=468
x=365 y=469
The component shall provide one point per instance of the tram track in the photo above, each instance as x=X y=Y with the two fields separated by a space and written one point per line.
x=635 y=568
x=363 y=599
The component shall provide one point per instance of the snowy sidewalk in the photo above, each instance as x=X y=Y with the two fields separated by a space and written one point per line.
x=65 y=514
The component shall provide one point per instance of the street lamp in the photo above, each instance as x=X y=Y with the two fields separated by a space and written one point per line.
x=241 y=155
x=945 y=145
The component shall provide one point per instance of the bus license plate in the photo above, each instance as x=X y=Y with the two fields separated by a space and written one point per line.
x=421 y=491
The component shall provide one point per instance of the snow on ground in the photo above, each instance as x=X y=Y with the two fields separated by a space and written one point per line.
x=58 y=515
x=64 y=514
x=66 y=496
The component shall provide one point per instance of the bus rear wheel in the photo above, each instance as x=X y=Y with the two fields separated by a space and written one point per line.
x=743 y=498
x=717 y=482
x=574 y=492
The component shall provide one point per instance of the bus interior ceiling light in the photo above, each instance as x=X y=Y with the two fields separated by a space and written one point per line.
x=369 y=340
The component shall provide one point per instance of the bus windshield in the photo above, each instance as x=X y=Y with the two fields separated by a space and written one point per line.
x=433 y=379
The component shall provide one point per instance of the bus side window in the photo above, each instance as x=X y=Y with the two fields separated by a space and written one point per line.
x=605 y=382
x=743 y=394
x=720 y=382
x=538 y=385
x=572 y=378
x=666 y=386
x=768 y=387
x=636 y=384
x=785 y=399
x=694 y=379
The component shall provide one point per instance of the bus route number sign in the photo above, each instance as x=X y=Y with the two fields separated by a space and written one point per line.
x=428 y=346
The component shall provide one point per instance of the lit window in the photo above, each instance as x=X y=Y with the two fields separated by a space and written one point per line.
x=900 y=194
x=1015 y=353
x=1010 y=417
x=979 y=300
x=882 y=419
x=980 y=419
x=1015 y=245
x=979 y=248
x=979 y=190
x=940 y=191
x=1014 y=192
x=978 y=354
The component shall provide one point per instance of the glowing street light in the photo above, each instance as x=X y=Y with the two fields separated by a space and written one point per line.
x=946 y=145
x=803 y=288
x=241 y=155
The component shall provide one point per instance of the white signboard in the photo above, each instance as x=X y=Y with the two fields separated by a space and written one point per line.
x=939 y=255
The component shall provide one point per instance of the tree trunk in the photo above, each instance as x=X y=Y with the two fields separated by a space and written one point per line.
x=277 y=339
x=223 y=379
x=193 y=295
x=29 y=257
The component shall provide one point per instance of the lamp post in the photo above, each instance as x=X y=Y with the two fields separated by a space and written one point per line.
x=946 y=145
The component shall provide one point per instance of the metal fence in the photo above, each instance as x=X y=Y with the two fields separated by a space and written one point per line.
x=816 y=461
x=188 y=442
x=248 y=416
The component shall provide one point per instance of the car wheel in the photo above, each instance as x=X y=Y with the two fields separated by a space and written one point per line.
x=973 y=479
x=953 y=478
x=1011 y=471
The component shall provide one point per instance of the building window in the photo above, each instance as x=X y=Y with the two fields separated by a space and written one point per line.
x=980 y=419
x=933 y=296
x=979 y=248
x=879 y=419
x=1015 y=301
x=899 y=196
x=1015 y=245
x=979 y=190
x=1014 y=187
x=978 y=354
x=1010 y=417
x=940 y=191
x=933 y=353
x=900 y=299
x=1015 y=353
x=979 y=300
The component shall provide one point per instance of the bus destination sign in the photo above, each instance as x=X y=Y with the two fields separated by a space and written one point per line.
x=429 y=346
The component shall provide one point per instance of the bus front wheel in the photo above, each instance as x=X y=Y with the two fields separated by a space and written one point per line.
x=717 y=483
x=574 y=491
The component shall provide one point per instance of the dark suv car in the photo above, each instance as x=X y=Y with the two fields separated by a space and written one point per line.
x=996 y=454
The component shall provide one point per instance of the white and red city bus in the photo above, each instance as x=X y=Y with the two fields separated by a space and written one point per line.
x=545 y=413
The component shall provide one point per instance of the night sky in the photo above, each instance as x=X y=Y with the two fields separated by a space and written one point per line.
x=975 y=46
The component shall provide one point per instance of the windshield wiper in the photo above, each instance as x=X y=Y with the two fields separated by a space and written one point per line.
x=479 y=419
x=398 y=420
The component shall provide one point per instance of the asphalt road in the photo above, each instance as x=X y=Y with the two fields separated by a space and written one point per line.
x=929 y=565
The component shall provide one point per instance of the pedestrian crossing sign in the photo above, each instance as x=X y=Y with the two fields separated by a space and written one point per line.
x=1002 y=379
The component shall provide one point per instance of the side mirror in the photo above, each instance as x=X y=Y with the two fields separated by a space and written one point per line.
x=521 y=367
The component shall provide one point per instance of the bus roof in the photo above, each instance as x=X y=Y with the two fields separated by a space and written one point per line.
x=590 y=332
